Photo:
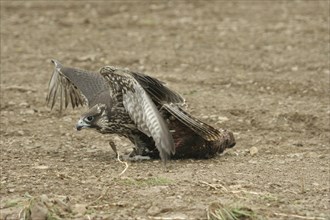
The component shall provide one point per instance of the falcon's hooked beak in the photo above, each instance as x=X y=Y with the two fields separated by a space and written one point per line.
x=81 y=124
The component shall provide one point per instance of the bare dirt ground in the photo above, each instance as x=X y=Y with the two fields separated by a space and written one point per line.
x=258 y=68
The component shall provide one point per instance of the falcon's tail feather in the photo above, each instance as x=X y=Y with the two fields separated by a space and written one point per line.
x=206 y=131
x=194 y=138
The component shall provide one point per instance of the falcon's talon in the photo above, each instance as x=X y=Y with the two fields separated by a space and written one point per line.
x=134 y=158
x=138 y=107
x=138 y=158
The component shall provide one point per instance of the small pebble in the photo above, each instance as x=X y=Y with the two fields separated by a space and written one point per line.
x=177 y=216
x=41 y=167
x=11 y=103
x=67 y=119
x=153 y=210
x=222 y=119
x=294 y=68
x=24 y=104
x=79 y=208
x=312 y=155
x=253 y=151
x=20 y=132
x=27 y=112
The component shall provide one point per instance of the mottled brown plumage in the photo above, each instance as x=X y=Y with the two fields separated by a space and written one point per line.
x=138 y=107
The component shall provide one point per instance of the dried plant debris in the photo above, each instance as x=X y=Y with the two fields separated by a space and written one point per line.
x=40 y=208
x=218 y=211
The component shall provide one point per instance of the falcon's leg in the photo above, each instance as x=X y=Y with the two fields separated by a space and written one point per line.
x=133 y=156
x=145 y=146
x=113 y=147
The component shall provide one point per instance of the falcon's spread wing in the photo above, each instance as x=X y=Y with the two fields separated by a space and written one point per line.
x=156 y=89
x=78 y=86
x=141 y=109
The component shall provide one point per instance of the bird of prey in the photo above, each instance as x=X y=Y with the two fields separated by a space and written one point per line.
x=138 y=107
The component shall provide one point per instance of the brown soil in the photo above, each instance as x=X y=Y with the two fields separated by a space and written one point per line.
x=259 y=68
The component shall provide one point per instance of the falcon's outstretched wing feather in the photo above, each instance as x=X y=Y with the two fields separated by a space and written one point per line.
x=157 y=90
x=141 y=109
x=78 y=86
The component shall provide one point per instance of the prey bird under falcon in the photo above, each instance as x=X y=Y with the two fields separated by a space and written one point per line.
x=138 y=107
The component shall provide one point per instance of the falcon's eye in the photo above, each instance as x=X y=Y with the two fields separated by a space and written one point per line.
x=90 y=118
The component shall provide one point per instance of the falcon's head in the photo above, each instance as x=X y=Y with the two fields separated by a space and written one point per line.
x=96 y=117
